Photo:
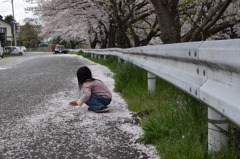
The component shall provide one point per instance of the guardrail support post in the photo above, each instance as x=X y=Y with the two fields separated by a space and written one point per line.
x=151 y=82
x=119 y=60
x=92 y=55
x=105 y=57
x=217 y=124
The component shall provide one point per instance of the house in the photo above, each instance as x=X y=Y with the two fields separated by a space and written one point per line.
x=6 y=35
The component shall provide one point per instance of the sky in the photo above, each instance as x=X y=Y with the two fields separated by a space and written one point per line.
x=19 y=9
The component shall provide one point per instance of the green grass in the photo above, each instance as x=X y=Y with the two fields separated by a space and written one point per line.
x=7 y=55
x=175 y=123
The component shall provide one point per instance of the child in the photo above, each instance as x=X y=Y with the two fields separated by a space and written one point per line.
x=95 y=93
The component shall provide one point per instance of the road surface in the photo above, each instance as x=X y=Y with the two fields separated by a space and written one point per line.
x=36 y=121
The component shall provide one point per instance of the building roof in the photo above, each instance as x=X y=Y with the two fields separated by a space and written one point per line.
x=5 y=21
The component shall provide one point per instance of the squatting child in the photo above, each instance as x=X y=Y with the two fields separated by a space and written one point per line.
x=95 y=93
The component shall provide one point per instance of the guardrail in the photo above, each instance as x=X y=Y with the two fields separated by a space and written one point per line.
x=208 y=71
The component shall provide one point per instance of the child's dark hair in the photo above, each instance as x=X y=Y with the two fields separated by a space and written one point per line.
x=84 y=74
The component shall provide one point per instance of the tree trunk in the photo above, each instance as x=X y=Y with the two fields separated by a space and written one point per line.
x=111 y=35
x=121 y=29
x=93 y=43
x=73 y=44
x=168 y=19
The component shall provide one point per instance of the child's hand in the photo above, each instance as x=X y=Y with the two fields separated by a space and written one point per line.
x=73 y=103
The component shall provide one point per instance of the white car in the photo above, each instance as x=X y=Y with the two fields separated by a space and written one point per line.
x=23 y=48
x=13 y=50
x=1 y=50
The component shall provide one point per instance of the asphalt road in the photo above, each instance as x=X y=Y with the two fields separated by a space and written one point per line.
x=36 y=121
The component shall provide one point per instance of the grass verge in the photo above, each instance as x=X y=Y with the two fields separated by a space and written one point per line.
x=7 y=55
x=173 y=121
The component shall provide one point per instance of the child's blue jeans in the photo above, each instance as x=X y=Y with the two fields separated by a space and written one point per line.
x=97 y=102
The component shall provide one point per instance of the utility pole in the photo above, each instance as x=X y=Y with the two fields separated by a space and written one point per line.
x=14 y=26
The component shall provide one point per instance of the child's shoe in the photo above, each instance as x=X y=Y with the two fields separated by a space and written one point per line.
x=89 y=109
x=103 y=110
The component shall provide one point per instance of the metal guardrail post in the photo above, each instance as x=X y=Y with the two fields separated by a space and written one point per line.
x=119 y=60
x=217 y=128
x=105 y=57
x=151 y=82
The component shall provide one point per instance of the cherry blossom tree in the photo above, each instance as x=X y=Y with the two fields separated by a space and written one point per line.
x=127 y=23
x=109 y=23
x=189 y=20
x=61 y=20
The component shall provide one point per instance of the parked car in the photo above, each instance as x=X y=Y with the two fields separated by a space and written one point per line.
x=13 y=50
x=1 y=50
x=60 y=49
x=23 y=48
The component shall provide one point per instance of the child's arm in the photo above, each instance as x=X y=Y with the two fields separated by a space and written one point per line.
x=86 y=95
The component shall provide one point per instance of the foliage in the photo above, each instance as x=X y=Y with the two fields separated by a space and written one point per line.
x=9 y=19
x=28 y=34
